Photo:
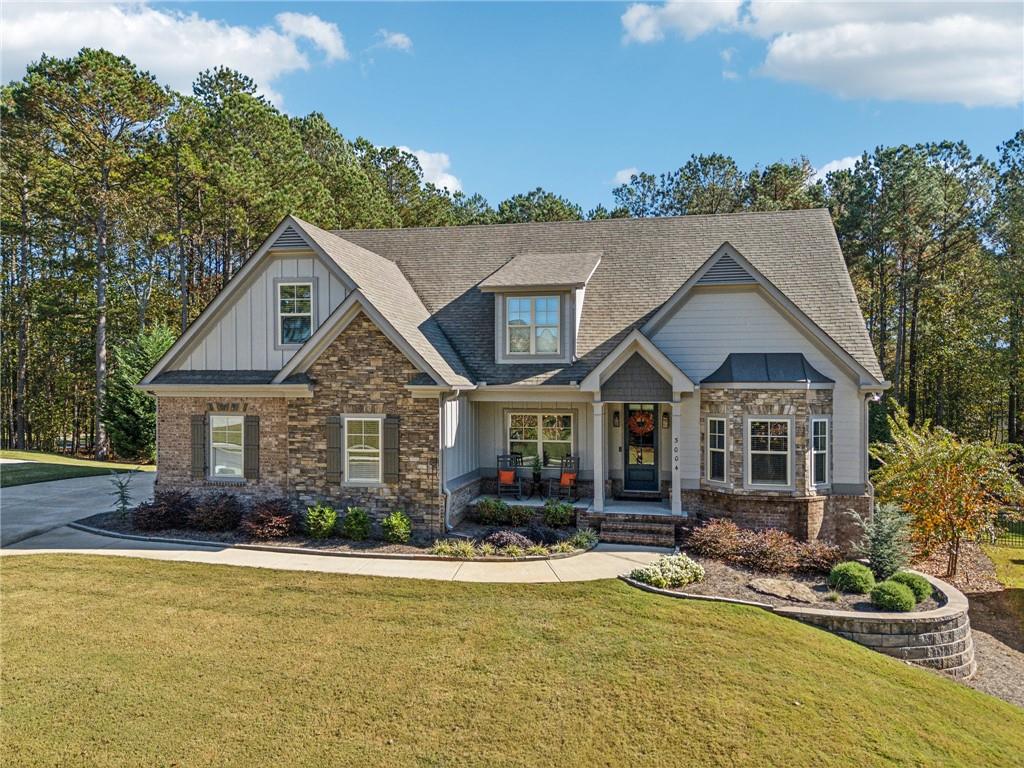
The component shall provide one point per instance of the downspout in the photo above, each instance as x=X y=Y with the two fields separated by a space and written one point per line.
x=442 y=432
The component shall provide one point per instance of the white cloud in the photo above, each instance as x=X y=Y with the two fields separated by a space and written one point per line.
x=842 y=164
x=623 y=176
x=175 y=46
x=435 y=167
x=959 y=52
x=398 y=41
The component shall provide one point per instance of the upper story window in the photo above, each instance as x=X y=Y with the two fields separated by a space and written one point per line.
x=294 y=312
x=768 y=452
x=226 y=446
x=532 y=325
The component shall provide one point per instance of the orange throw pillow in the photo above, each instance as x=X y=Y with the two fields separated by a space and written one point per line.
x=567 y=479
x=506 y=476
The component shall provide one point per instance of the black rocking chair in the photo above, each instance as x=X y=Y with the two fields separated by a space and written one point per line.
x=565 y=484
x=508 y=474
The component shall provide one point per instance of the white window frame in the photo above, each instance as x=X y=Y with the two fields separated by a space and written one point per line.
x=364 y=452
x=533 y=326
x=540 y=432
x=826 y=451
x=281 y=315
x=748 y=452
x=724 y=449
x=212 y=473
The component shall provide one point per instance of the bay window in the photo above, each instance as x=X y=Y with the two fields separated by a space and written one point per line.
x=768 y=452
x=819 y=451
x=715 y=460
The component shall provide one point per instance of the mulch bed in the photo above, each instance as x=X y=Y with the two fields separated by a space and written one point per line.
x=731 y=581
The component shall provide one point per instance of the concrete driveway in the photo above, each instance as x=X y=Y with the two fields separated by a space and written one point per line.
x=29 y=510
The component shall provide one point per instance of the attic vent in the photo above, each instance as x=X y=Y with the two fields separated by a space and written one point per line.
x=290 y=239
x=726 y=271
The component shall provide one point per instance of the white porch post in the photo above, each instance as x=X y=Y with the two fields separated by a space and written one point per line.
x=677 y=437
x=599 y=449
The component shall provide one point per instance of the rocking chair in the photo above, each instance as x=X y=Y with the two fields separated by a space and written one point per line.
x=566 y=482
x=508 y=474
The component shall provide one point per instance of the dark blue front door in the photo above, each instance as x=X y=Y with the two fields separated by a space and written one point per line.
x=641 y=448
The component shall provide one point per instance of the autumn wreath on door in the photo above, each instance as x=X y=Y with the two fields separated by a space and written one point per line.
x=641 y=423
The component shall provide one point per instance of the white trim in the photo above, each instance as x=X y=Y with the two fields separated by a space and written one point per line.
x=724 y=449
x=533 y=326
x=346 y=474
x=636 y=342
x=211 y=473
x=827 y=421
x=540 y=414
x=228 y=390
x=748 y=481
x=279 y=283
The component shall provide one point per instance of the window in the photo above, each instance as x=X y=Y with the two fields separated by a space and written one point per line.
x=226 y=446
x=547 y=435
x=819 y=451
x=768 y=452
x=294 y=312
x=532 y=325
x=362 y=450
x=715 y=469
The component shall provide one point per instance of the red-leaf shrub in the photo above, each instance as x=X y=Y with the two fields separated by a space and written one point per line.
x=216 y=512
x=771 y=551
x=270 y=519
x=717 y=538
x=818 y=556
x=502 y=539
x=168 y=509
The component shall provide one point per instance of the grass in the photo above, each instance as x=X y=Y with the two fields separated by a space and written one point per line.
x=1009 y=563
x=54 y=466
x=128 y=662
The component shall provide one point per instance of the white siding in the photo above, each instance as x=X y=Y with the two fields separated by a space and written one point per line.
x=242 y=339
x=460 y=456
x=491 y=429
x=713 y=323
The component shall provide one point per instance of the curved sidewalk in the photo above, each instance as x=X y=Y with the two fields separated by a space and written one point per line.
x=606 y=561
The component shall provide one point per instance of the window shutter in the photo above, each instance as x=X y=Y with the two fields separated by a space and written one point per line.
x=333 y=431
x=389 y=470
x=199 y=447
x=251 y=448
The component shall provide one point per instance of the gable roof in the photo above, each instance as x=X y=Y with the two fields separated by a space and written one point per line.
x=635 y=343
x=643 y=264
x=551 y=270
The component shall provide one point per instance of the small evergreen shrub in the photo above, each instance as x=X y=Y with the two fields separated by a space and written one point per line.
x=893 y=596
x=542 y=534
x=269 y=519
x=487 y=550
x=919 y=585
x=504 y=539
x=562 y=547
x=584 y=538
x=718 y=538
x=557 y=513
x=397 y=527
x=513 y=550
x=886 y=543
x=669 y=571
x=462 y=549
x=356 y=524
x=537 y=549
x=320 y=521
x=216 y=512
x=518 y=516
x=770 y=551
x=817 y=556
x=493 y=512
x=169 y=509
x=855 y=578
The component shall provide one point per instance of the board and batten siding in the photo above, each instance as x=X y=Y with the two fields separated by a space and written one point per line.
x=712 y=323
x=460 y=455
x=491 y=430
x=242 y=339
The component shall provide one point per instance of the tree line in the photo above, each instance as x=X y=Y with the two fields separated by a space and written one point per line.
x=127 y=206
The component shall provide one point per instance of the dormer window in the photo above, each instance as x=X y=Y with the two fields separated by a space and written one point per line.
x=294 y=312
x=533 y=325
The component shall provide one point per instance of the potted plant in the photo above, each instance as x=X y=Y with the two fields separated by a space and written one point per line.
x=535 y=466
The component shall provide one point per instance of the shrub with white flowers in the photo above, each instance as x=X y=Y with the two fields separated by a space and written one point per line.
x=669 y=571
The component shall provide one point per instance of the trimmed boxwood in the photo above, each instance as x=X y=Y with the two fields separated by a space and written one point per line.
x=855 y=578
x=397 y=527
x=893 y=596
x=919 y=585
x=320 y=521
x=356 y=524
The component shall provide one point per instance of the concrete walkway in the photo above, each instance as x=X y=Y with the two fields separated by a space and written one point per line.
x=606 y=561
x=29 y=510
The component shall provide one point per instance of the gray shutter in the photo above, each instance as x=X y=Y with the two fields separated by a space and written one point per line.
x=251 y=448
x=199 y=447
x=389 y=471
x=333 y=431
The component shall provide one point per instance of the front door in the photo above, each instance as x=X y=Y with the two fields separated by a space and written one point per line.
x=641 y=448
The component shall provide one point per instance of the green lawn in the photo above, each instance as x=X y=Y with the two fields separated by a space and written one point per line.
x=121 y=662
x=52 y=466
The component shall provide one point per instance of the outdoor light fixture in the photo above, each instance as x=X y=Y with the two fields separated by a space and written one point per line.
x=665 y=420
x=615 y=419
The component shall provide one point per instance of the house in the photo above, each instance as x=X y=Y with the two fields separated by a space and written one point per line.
x=719 y=364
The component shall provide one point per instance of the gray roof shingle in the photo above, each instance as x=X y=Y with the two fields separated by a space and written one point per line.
x=225 y=377
x=554 y=269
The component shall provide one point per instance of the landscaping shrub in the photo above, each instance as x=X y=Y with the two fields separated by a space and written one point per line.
x=817 y=556
x=770 y=551
x=893 y=596
x=397 y=527
x=584 y=538
x=487 y=550
x=504 y=539
x=557 y=513
x=493 y=512
x=169 y=509
x=269 y=519
x=518 y=516
x=150 y=516
x=542 y=534
x=460 y=548
x=562 y=547
x=886 y=542
x=852 y=577
x=320 y=521
x=718 y=538
x=513 y=550
x=537 y=549
x=356 y=524
x=216 y=512
x=669 y=571
x=919 y=585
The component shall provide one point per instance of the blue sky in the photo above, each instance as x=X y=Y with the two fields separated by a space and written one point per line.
x=505 y=97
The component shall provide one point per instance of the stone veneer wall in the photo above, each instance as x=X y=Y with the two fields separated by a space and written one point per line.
x=363 y=372
x=174 y=444
x=460 y=499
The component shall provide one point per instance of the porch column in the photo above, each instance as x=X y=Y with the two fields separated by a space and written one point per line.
x=599 y=449
x=677 y=439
